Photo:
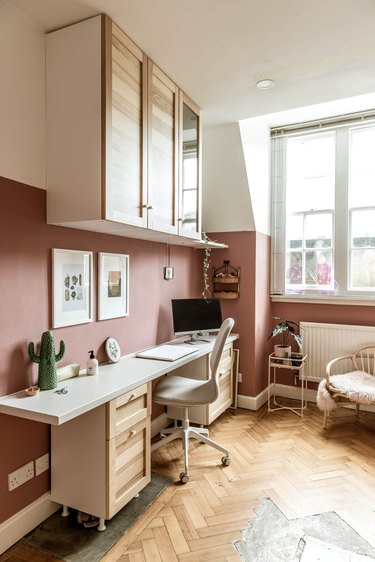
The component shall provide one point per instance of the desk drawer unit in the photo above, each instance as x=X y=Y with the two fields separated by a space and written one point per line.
x=101 y=459
x=200 y=369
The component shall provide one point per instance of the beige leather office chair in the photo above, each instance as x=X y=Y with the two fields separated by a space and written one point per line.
x=185 y=392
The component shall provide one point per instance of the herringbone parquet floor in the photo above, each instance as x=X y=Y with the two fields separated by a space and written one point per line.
x=301 y=467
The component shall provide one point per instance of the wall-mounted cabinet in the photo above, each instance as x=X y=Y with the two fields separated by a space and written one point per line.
x=123 y=142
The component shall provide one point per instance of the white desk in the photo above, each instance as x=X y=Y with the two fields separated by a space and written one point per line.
x=100 y=431
x=88 y=392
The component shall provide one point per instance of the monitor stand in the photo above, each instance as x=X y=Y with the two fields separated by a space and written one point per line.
x=195 y=339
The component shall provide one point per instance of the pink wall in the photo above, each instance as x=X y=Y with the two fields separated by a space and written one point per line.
x=25 y=312
x=250 y=251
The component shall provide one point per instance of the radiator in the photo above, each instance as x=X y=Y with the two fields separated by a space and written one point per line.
x=323 y=342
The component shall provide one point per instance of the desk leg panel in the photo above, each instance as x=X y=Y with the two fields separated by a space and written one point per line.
x=78 y=463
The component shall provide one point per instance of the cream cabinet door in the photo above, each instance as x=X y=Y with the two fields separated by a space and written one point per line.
x=162 y=151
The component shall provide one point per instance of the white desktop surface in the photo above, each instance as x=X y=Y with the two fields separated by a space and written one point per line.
x=87 y=392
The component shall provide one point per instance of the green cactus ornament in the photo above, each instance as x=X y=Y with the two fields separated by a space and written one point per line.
x=47 y=375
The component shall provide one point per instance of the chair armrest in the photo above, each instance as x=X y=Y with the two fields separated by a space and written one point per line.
x=336 y=360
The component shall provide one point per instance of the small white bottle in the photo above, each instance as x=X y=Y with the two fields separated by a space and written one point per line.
x=92 y=365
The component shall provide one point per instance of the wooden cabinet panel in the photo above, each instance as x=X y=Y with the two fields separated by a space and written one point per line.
x=126 y=75
x=162 y=151
x=127 y=410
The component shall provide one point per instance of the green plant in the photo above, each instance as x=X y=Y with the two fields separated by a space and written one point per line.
x=47 y=375
x=286 y=328
x=206 y=266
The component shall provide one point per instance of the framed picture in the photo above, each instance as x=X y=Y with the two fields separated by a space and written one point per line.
x=72 y=278
x=113 y=285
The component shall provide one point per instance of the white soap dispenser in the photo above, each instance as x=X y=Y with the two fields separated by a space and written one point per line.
x=92 y=365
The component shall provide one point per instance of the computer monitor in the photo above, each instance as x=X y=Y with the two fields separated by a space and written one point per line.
x=196 y=316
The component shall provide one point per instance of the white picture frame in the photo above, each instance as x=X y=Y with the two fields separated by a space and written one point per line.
x=72 y=287
x=113 y=285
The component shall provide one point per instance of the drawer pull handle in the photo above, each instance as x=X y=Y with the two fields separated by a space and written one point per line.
x=132 y=433
x=222 y=373
x=132 y=396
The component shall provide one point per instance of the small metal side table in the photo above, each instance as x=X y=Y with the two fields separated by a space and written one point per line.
x=292 y=364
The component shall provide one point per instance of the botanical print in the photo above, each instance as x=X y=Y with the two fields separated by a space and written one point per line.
x=114 y=284
x=73 y=290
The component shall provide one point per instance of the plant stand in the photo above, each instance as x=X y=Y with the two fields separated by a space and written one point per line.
x=275 y=363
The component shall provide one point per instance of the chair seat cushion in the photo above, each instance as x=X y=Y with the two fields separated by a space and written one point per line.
x=358 y=387
x=183 y=391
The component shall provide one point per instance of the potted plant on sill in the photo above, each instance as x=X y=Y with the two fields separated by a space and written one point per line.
x=287 y=330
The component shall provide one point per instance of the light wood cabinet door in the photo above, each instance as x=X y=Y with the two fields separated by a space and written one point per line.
x=190 y=169
x=162 y=151
x=125 y=129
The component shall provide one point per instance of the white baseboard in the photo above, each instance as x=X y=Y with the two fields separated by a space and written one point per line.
x=252 y=402
x=17 y=526
x=283 y=390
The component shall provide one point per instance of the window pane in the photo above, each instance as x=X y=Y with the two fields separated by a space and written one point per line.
x=363 y=269
x=363 y=229
x=310 y=173
x=318 y=231
x=362 y=168
x=294 y=231
x=319 y=268
x=294 y=268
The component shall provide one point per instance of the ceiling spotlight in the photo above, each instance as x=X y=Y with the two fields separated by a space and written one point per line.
x=265 y=84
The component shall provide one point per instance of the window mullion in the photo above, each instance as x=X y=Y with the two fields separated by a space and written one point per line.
x=341 y=216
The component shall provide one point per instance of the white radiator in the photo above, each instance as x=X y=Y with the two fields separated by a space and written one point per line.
x=323 y=342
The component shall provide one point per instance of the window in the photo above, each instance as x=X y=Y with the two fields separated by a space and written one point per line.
x=324 y=212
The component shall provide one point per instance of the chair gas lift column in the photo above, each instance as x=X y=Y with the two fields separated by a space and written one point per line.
x=294 y=363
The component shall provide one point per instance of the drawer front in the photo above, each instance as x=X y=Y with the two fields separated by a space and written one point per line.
x=127 y=410
x=226 y=358
x=129 y=464
x=225 y=398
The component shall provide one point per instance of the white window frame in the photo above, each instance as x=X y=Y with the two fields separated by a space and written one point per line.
x=341 y=243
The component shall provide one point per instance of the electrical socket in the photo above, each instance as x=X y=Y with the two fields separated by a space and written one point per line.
x=20 y=476
x=239 y=377
x=41 y=464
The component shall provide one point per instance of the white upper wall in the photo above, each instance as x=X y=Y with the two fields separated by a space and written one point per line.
x=22 y=98
x=256 y=144
x=226 y=197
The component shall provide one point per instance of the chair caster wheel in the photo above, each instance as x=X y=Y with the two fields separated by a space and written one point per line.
x=225 y=461
x=184 y=478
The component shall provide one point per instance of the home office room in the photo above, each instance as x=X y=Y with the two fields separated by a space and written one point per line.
x=187 y=242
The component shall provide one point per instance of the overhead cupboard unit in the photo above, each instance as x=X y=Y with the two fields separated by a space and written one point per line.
x=123 y=141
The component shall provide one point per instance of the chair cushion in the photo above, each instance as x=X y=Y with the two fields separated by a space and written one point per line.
x=358 y=386
x=183 y=391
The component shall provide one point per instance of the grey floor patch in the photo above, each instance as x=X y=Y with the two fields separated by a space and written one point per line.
x=274 y=538
x=71 y=542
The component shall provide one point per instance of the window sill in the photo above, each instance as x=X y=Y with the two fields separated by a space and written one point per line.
x=350 y=300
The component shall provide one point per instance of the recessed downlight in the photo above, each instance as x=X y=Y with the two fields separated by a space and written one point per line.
x=266 y=84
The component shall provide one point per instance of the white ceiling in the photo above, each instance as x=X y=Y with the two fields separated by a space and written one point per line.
x=216 y=50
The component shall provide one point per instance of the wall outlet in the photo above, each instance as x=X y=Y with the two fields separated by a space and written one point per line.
x=41 y=464
x=239 y=377
x=20 y=476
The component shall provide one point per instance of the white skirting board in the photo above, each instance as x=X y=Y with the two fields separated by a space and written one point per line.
x=283 y=390
x=17 y=526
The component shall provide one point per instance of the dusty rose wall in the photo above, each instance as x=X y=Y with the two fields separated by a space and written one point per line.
x=250 y=251
x=25 y=312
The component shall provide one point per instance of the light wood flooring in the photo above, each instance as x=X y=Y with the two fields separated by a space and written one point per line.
x=304 y=469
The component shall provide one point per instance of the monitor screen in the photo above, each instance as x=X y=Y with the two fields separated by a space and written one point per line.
x=196 y=315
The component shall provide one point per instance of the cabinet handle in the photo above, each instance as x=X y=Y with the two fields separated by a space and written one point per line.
x=132 y=396
x=132 y=433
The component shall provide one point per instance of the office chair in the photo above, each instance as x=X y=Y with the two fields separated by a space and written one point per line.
x=185 y=392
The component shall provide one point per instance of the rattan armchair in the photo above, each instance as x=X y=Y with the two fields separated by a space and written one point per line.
x=350 y=379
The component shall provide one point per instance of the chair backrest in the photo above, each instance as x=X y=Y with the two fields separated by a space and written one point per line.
x=212 y=386
x=364 y=359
